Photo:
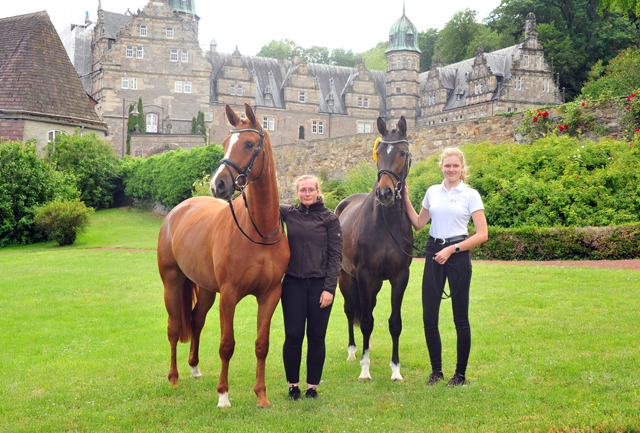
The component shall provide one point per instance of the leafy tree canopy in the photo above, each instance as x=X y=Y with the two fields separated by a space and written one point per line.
x=285 y=48
x=457 y=35
x=620 y=77
x=375 y=58
x=427 y=44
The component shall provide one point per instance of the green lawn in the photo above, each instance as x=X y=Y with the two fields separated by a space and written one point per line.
x=84 y=348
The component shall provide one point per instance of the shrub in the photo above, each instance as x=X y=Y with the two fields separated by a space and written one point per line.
x=169 y=178
x=619 y=78
x=63 y=220
x=93 y=162
x=27 y=182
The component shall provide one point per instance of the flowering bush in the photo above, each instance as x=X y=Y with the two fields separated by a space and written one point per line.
x=630 y=120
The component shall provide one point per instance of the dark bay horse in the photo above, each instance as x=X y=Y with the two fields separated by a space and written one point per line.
x=203 y=249
x=377 y=245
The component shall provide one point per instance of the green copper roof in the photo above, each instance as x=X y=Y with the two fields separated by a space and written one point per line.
x=403 y=36
x=186 y=6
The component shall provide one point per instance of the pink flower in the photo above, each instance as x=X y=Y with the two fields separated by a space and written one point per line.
x=534 y=197
x=577 y=177
x=504 y=191
x=535 y=118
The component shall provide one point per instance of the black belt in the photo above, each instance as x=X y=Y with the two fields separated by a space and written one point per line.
x=448 y=240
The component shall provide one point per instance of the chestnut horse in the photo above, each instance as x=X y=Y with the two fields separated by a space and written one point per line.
x=206 y=248
x=377 y=235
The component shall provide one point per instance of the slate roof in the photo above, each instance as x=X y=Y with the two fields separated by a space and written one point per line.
x=113 y=22
x=453 y=77
x=273 y=74
x=36 y=75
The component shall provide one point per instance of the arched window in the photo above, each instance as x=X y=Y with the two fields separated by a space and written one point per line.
x=301 y=133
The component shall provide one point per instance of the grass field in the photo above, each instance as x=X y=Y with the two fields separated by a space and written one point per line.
x=84 y=348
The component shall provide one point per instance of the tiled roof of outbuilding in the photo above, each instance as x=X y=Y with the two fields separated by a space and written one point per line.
x=36 y=75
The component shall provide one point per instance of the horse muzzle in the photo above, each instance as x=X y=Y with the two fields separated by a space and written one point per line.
x=222 y=186
x=385 y=195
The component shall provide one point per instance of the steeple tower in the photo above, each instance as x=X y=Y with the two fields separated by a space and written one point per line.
x=403 y=68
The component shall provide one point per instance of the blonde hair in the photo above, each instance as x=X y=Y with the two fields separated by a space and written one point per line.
x=454 y=151
x=309 y=177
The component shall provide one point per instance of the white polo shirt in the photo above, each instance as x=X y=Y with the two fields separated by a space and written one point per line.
x=450 y=210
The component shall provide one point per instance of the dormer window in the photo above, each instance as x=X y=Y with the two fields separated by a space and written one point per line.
x=267 y=93
x=270 y=74
x=526 y=61
x=331 y=81
x=330 y=100
x=409 y=38
x=391 y=39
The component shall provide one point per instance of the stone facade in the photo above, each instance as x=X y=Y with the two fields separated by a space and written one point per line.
x=152 y=54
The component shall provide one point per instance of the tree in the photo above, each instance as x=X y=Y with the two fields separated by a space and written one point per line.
x=282 y=49
x=427 y=43
x=133 y=121
x=621 y=77
x=624 y=6
x=92 y=162
x=375 y=58
x=456 y=36
x=490 y=40
x=316 y=54
x=340 y=57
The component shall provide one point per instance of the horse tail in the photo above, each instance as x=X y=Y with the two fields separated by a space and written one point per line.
x=188 y=299
x=355 y=302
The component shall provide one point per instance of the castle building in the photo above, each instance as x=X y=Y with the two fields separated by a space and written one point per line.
x=154 y=54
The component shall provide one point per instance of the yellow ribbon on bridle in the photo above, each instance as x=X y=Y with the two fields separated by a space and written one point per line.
x=375 y=149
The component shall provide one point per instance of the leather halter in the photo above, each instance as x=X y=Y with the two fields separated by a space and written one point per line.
x=244 y=174
x=399 y=178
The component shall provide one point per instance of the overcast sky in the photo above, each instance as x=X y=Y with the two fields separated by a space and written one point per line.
x=355 y=25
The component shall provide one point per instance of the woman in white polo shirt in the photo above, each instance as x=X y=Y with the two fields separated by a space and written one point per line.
x=449 y=206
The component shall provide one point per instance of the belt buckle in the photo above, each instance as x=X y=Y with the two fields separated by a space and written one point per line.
x=444 y=241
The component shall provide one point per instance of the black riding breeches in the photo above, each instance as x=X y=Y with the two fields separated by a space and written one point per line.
x=457 y=271
x=300 y=305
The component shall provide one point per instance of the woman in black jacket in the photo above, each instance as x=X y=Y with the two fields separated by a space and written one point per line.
x=315 y=241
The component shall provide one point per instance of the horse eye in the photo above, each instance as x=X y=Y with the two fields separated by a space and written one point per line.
x=248 y=144
x=403 y=153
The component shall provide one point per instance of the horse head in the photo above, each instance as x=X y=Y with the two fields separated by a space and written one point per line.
x=244 y=154
x=394 y=160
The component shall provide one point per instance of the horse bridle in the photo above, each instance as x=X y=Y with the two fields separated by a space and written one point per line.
x=244 y=174
x=397 y=187
x=396 y=193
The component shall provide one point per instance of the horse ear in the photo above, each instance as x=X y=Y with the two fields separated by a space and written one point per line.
x=250 y=114
x=232 y=117
x=402 y=125
x=382 y=127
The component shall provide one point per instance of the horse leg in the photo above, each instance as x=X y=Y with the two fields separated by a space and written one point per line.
x=348 y=285
x=228 y=302
x=398 y=286
x=205 y=301
x=267 y=303
x=173 y=280
x=368 y=289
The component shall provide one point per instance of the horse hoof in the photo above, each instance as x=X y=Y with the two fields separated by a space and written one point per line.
x=352 y=353
x=395 y=372
x=195 y=372
x=223 y=401
x=363 y=378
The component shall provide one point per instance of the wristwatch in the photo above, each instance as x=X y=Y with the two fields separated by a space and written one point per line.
x=457 y=248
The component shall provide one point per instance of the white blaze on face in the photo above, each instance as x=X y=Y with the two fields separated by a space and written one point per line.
x=389 y=148
x=232 y=141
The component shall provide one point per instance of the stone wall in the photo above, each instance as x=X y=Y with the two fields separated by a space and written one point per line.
x=146 y=145
x=337 y=156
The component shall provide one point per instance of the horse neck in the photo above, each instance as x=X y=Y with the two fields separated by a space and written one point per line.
x=262 y=195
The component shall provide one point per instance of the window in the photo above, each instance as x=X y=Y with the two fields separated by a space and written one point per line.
x=138 y=152
x=518 y=83
x=129 y=51
x=51 y=135
x=458 y=97
x=143 y=30
x=125 y=83
x=303 y=97
x=538 y=62
x=364 y=128
x=399 y=64
x=480 y=87
x=267 y=93
x=314 y=127
x=177 y=87
x=398 y=90
x=139 y=52
x=133 y=83
x=269 y=123
x=174 y=56
x=232 y=89
x=151 y=123
x=320 y=127
x=330 y=99
x=526 y=61
x=187 y=87
x=301 y=133
x=185 y=55
x=544 y=85
x=366 y=102
x=240 y=90
x=170 y=32
x=360 y=102
x=408 y=61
